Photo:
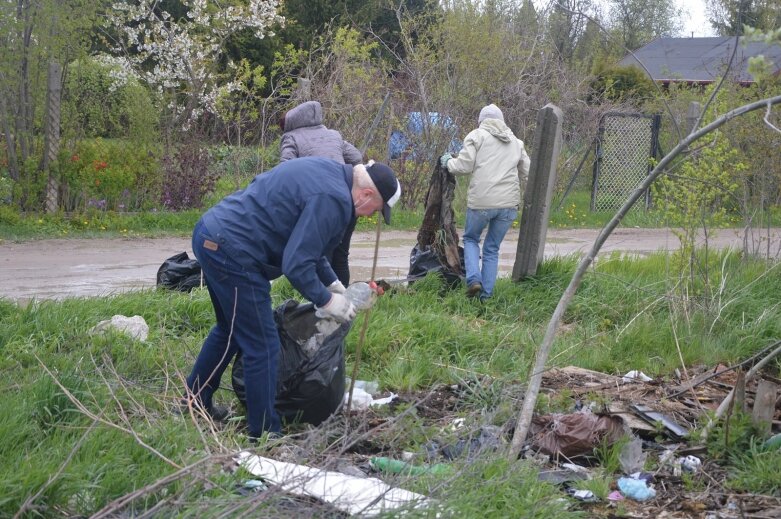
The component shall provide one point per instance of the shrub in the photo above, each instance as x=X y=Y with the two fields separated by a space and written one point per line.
x=101 y=100
x=620 y=84
x=115 y=175
x=188 y=176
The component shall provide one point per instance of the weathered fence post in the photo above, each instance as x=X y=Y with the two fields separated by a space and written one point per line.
x=539 y=192
x=692 y=114
x=52 y=135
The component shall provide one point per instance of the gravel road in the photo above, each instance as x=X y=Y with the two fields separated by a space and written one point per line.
x=61 y=268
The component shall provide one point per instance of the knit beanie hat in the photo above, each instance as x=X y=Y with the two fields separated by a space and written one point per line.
x=490 y=112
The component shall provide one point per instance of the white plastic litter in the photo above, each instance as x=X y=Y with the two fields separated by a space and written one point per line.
x=689 y=464
x=365 y=496
x=636 y=375
x=370 y=386
x=363 y=400
x=632 y=458
x=134 y=326
x=575 y=468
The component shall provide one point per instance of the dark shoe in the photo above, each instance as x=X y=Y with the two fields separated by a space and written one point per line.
x=219 y=413
x=474 y=290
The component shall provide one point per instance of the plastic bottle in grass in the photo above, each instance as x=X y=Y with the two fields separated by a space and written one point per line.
x=361 y=295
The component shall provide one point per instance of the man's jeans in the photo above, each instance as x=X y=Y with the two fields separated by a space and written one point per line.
x=498 y=222
x=242 y=304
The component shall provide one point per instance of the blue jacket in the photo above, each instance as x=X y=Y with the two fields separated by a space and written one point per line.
x=287 y=221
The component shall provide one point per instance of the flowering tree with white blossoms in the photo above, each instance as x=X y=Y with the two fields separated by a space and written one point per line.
x=180 y=58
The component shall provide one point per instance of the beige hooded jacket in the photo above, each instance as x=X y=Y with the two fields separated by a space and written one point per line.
x=497 y=161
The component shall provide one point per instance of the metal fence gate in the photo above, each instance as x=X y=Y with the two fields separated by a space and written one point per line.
x=624 y=147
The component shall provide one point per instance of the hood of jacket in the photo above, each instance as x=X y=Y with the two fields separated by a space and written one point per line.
x=498 y=129
x=305 y=114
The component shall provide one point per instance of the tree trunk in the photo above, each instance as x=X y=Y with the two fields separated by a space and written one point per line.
x=10 y=141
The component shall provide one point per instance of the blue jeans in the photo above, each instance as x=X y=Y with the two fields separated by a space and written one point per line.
x=245 y=321
x=498 y=222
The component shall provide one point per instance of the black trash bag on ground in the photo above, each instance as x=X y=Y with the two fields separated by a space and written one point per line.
x=423 y=261
x=310 y=371
x=179 y=272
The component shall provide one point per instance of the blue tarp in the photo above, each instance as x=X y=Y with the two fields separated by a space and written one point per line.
x=401 y=142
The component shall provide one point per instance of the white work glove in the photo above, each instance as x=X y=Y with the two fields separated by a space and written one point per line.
x=336 y=287
x=338 y=308
x=444 y=158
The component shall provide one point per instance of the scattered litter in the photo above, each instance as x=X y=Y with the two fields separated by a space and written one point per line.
x=636 y=489
x=587 y=496
x=636 y=375
x=457 y=423
x=370 y=387
x=363 y=496
x=134 y=326
x=615 y=495
x=489 y=438
x=644 y=476
x=654 y=417
x=536 y=457
x=557 y=477
x=576 y=433
x=690 y=464
x=575 y=468
x=255 y=484
x=632 y=458
x=391 y=466
x=363 y=400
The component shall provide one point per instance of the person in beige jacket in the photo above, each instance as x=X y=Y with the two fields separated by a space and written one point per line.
x=498 y=162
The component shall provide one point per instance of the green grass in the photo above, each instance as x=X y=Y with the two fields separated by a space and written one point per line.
x=97 y=224
x=115 y=433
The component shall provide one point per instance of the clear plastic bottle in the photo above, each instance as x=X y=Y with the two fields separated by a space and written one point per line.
x=361 y=295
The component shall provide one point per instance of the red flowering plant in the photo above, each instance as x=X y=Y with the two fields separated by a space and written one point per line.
x=105 y=171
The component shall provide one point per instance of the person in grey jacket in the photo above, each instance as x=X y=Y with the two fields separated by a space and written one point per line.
x=498 y=162
x=305 y=135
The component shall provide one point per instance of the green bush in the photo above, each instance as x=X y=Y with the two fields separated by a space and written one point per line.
x=101 y=100
x=621 y=84
x=116 y=175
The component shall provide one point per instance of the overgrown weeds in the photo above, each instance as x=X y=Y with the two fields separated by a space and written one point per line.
x=87 y=422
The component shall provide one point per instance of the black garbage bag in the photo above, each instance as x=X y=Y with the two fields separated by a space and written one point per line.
x=425 y=260
x=179 y=272
x=310 y=372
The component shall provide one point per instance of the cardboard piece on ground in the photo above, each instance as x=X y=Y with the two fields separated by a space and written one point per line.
x=622 y=409
x=354 y=495
x=653 y=417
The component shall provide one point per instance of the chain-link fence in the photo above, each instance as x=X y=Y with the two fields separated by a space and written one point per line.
x=625 y=145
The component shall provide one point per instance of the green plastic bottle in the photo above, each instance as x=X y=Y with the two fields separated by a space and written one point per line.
x=402 y=467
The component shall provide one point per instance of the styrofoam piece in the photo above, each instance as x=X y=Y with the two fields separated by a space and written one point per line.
x=365 y=496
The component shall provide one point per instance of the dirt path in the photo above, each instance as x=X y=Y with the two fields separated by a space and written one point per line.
x=56 y=269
